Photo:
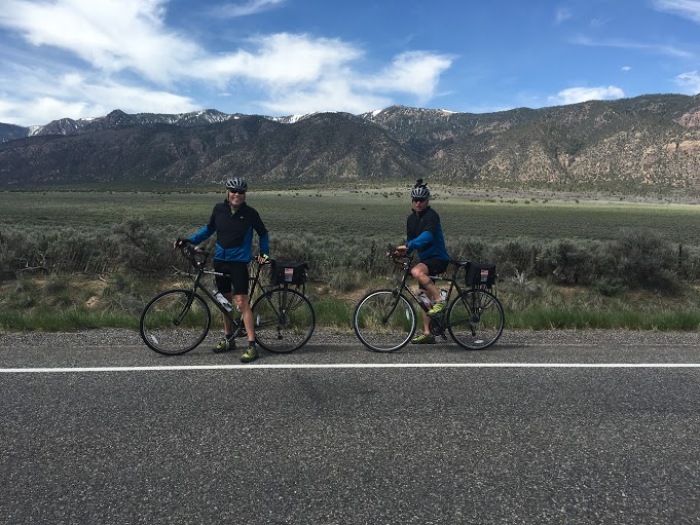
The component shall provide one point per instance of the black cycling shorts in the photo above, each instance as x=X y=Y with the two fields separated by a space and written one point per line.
x=238 y=277
x=436 y=266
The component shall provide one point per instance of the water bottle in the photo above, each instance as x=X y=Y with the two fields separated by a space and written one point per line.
x=424 y=299
x=222 y=300
x=443 y=294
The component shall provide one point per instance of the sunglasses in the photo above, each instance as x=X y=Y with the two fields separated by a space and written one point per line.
x=239 y=192
x=420 y=200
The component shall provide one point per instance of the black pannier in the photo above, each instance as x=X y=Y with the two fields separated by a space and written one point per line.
x=289 y=272
x=480 y=275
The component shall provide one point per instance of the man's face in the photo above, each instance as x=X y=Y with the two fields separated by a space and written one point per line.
x=236 y=198
x=420 y=204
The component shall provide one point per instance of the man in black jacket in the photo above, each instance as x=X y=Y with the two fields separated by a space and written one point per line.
x=234 y=222
x=424 y=234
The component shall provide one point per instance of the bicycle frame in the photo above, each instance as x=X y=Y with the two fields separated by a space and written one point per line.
x=200 y=266
x=384 y=320
x=453 y=280
x=176 y=321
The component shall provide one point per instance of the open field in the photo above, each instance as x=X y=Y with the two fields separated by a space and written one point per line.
x=546 y=250
x=364 y=213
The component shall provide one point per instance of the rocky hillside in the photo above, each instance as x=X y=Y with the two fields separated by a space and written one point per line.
x=650 y=142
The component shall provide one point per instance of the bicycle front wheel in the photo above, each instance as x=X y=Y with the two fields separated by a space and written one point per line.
x=284 y=320
x=175 y=322
x=475 y=319
x=384 y=321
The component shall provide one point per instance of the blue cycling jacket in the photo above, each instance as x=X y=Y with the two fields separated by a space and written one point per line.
x=424 y=234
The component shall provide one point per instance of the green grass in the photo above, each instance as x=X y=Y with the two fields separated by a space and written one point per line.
x=347 y=214
x=44 y=320
x=332 y=313
x=337 y=315
x=329 y=226
x=576 y=319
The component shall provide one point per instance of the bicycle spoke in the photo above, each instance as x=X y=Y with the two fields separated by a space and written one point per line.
x=383 y=321
x=475 y=319
x=174 y=322
x=284 y=320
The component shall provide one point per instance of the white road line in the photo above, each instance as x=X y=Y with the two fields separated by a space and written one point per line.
x=340 y=366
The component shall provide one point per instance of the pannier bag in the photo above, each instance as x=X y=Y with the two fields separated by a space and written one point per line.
x=480 y=275
x=289 y=272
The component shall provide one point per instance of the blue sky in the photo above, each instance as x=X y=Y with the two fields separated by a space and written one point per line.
x=85 y=58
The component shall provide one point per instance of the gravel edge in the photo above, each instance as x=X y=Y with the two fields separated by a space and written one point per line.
x=125 y=337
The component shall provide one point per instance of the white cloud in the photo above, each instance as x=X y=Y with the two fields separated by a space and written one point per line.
x=249 y=8
x=301 y=74
x=598 y=23
x=689 y=9
x=144 y=71
x=45 y=97
x=414 y=72
x=562 y=14
x=690 y=82
x=584 y=94
x=659 y=49
x=331 y=94
x=281 y=59
x=96 y=33
x=340 y=88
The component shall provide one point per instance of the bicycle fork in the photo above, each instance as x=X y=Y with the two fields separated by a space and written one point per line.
x=185 y=309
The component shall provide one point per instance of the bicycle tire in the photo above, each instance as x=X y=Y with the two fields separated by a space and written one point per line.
x=175 y=322
x=475 y=319
x=284 y=320
x=383 y=321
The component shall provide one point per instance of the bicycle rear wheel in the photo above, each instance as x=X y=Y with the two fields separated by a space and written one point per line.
x=175 y=322
x=284 y=320
x=384 y=321
x=475 y=319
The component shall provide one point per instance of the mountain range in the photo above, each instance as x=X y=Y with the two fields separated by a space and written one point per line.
x=647 y=143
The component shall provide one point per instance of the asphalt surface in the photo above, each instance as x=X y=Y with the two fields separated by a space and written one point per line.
x=544 y=428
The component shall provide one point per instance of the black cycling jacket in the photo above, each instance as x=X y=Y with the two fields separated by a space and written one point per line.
x=234 y=232
x=424 y=233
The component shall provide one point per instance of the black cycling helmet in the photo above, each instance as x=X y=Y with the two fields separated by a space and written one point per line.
x=237 y=184
x=420 y=190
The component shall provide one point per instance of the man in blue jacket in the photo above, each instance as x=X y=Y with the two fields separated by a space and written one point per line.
x=424 y=234
x=234 y=221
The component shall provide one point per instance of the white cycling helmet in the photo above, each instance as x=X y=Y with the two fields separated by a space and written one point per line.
x=420 y=190
x=237 y=184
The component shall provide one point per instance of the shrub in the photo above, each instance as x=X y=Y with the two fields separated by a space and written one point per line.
x=520 y=254
x=141 y=249
x=567 y=262
x=610 y=287
x=642 y=258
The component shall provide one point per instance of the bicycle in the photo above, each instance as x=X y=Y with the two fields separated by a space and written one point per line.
x=178 y=320
x=384 y=320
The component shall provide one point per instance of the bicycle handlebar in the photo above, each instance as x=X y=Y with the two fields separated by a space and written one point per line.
x=398 y=257
x=191 y=253
x=198 y=256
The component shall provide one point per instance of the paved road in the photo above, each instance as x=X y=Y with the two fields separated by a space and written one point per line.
x=545 y=428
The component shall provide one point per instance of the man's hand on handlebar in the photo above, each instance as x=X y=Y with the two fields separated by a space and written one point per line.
x=263 y=258
x=396 y=252
x=179 y=243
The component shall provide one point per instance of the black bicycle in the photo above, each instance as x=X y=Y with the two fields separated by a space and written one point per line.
x=177 y=321
x=385 y=320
